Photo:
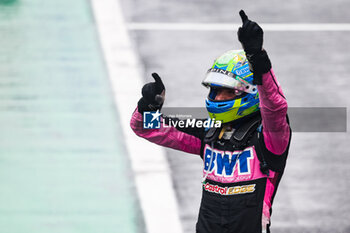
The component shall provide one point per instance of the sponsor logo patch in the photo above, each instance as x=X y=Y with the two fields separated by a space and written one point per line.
x=224 y=163
x=235 y=190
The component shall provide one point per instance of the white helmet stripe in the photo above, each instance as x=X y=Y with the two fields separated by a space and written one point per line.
x=229 y=80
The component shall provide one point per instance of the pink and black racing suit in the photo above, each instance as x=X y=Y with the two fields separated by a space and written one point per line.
x=237 y=192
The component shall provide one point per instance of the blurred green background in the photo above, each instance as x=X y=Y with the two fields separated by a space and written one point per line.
x=63 y=167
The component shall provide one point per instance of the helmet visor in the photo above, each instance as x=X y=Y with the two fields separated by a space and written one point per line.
x=223 y=78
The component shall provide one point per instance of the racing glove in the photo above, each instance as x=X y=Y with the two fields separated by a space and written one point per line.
x=153 y=94
x=251 y=37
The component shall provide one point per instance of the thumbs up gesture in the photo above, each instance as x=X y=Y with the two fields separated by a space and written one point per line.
x=250 y=35
x=153 y=95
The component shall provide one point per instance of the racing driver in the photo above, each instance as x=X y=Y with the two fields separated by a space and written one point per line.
x=244 y=158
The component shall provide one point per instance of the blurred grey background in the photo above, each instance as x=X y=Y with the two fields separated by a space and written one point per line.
x=312 y=67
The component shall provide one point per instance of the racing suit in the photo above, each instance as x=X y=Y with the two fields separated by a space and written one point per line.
x=242 y=169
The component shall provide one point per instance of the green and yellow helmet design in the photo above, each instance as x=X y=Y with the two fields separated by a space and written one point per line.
x=231 y=70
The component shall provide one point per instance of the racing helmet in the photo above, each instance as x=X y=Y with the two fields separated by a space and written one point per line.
x=231 y=70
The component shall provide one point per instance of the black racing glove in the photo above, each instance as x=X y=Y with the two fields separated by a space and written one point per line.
x=251 y=37
x=152 y=95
